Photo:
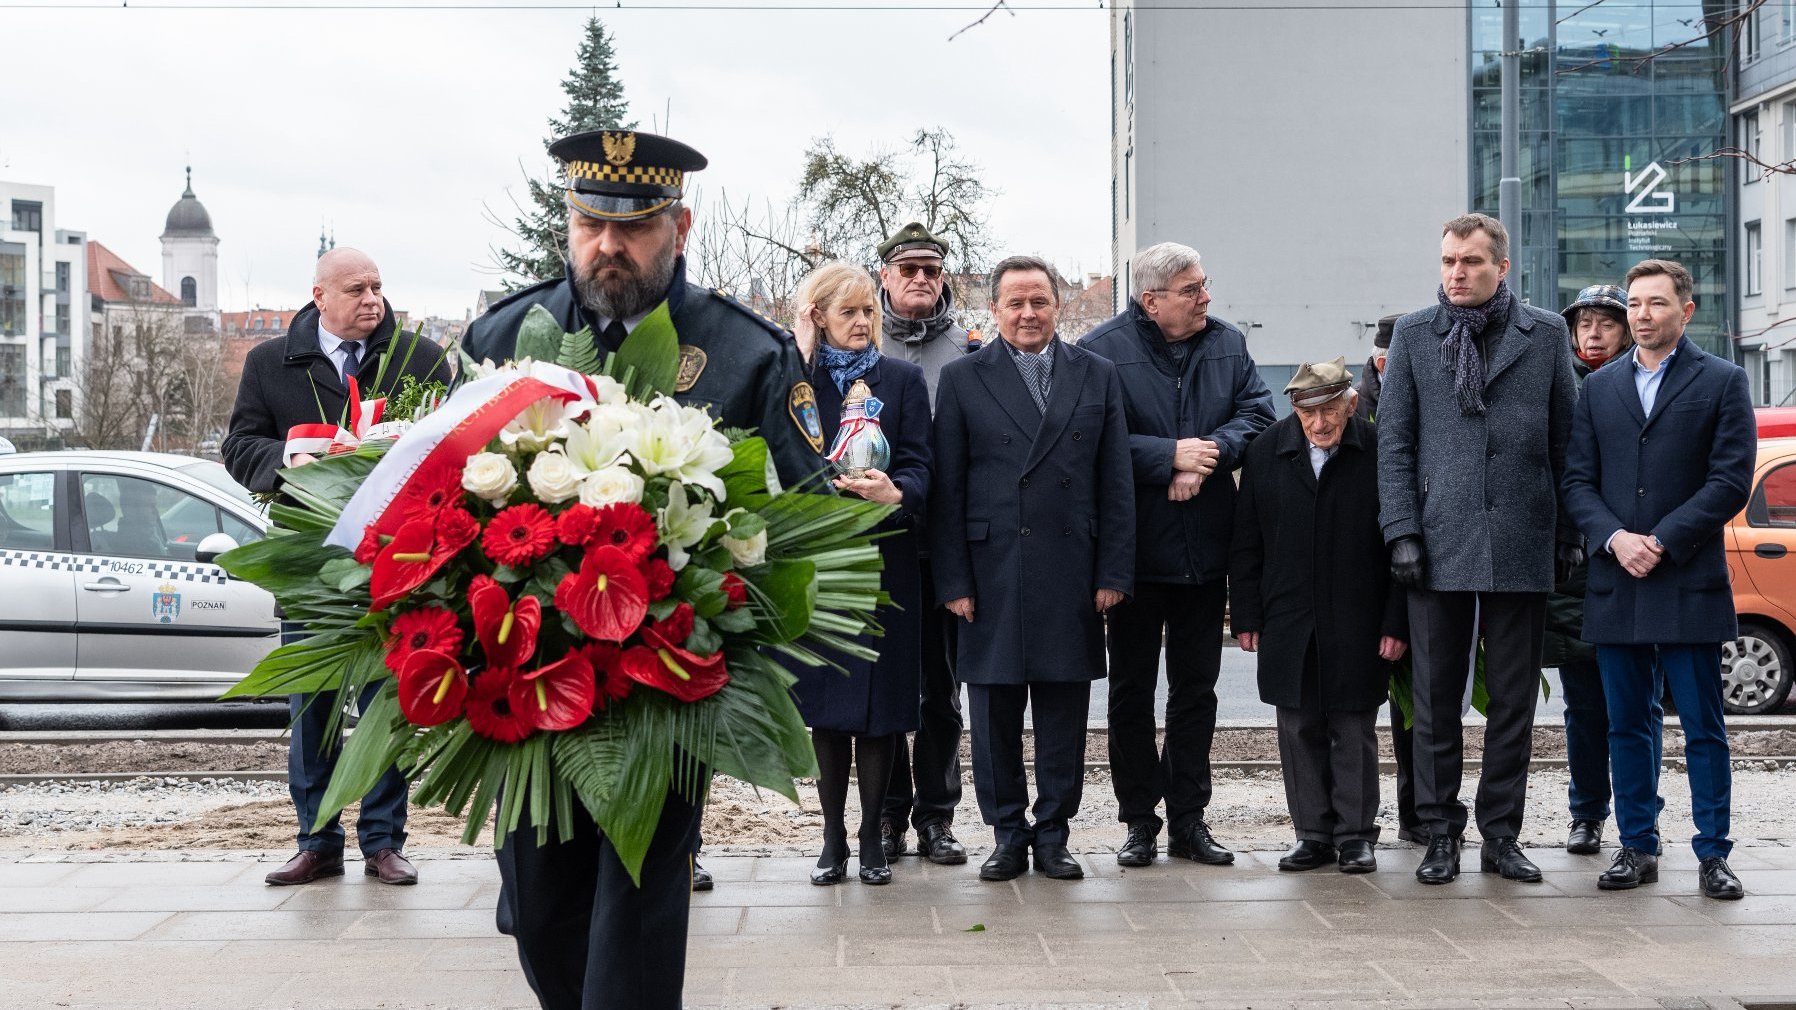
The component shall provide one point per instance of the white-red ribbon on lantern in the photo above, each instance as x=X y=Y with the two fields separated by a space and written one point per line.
x=330 y=439
x=461 y=427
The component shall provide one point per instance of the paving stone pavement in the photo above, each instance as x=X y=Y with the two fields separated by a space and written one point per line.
x=204 y=932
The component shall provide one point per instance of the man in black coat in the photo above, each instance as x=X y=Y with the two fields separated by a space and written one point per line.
x=303 y=379
x=1310 y=591
x=1194 y=400
x=1032 y=532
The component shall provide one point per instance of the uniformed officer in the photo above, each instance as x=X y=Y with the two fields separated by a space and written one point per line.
x=588 y=937
x=627 y=238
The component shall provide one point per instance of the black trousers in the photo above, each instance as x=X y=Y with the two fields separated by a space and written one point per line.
x=588 y=937
x=1189 y=620
x=1403 y=752
x=1058 y=713
x=1442 y=631
x=925 y=785
x=1330 y=765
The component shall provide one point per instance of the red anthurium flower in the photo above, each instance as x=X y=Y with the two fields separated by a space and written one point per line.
x=427 y=629
x=577 y=525
x=608 y=671
x=677 y=626
x=432 y=688
x=370 y=546
x=490 y=712
x=607 y=597
x=735 y=589
x=520 y=535
x=405 y=563
x=507 y=631
x=558 y=696
x=660 y=577
x=667 y=667
x=628 y=527
x=435 y=487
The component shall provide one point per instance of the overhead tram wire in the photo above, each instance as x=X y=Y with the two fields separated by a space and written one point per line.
x=764 y=6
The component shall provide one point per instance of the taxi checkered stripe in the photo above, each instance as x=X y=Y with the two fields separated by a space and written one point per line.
x=637 y=174
x=169 y=571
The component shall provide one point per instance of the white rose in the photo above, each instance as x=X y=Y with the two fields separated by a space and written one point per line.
x=552 y=478
x=747 y=551
x=489 y=475
x=610 y=391
x=609 y=486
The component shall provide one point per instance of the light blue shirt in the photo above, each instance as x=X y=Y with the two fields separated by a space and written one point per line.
x=1647 y=381
x=332 y=346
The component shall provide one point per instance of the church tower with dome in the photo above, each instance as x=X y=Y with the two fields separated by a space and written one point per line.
x=190 y=255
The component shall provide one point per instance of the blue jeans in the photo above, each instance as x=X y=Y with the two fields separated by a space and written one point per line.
x=1633 y=683
x=381 y=823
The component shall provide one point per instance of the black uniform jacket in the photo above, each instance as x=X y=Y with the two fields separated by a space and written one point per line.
x=1031 y=514
x=286 y=381
x=1309 y=563
x=734 y=362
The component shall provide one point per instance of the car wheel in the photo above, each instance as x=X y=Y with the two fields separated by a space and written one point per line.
x=1755 y=671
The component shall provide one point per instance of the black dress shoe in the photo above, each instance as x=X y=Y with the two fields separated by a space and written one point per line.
x=701 y=877
x=1585 y=838
x=1196 y=842
x=876 y=875
x=1504 y=856
x=825 y=875
x=1441 y=864
x=939 y=846
x=1357 y=857
x=891 y=838
x=1630 y=869
x=1058 y=863
x=1140 y=848
x=1718 y=881
x=1307 y=855
x=1007 y=862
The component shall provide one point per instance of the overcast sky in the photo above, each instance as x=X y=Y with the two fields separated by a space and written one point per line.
x=397 y=127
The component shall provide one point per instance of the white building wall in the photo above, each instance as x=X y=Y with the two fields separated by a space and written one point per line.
x=1311 y=155
x=196 y=257
x=41 y=335
x=1767 y=311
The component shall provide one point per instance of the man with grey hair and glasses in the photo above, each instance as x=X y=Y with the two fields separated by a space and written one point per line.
x=1194 y=400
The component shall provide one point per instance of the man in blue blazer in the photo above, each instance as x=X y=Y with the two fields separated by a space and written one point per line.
x=1661 y=457
x=1032 y=530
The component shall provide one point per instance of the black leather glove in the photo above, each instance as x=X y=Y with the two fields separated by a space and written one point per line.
x=1566 y=559
x=1407 y=563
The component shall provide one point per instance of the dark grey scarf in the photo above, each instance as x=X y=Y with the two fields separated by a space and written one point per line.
x=1459 y=348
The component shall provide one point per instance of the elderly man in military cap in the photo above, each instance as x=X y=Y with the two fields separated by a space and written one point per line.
x=587 y=935
x=1310 y=592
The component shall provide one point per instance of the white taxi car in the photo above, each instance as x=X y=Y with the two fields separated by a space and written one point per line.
x=108 y=587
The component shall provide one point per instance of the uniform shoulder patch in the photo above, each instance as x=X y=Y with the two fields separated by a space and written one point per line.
x=802 y=405
x=692 y=365
x=767 y=322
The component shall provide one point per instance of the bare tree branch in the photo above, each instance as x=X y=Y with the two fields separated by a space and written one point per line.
x=982 y=17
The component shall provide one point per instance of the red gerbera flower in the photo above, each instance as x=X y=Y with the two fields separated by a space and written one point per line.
x=677 y=626
x=432 y=688
x=577 y=525
x=607 y=597
x=433 y=488
x=735 y=589
x=558 y=696
x=520 y=535
x=427 y=629
x=667 y=667
x=457 y=528
x=628 y=527
x=507 y=631
x=608 y=670
x=490 y=712
x=660 y=577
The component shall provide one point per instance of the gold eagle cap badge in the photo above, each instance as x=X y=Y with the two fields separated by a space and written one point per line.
x=619 y=147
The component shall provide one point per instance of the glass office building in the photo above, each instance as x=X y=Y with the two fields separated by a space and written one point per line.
x=1621 y=102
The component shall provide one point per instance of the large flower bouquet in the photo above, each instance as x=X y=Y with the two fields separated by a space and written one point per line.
x=569 y=588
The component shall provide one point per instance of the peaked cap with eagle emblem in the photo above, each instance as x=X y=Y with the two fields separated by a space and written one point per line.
x=623 y=175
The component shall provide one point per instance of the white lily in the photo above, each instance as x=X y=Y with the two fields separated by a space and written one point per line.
x=683 y=444
x=683 y=523
x=541 y=424
x=601 y=441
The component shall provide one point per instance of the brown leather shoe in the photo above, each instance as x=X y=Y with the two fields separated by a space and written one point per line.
x=391 y=868
x=306 y=867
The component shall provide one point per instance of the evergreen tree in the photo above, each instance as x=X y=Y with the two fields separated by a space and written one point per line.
x=595 y=101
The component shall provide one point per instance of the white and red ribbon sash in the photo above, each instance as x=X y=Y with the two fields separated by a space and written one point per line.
x=461 y=427
x=330 y=439
x=845 y=435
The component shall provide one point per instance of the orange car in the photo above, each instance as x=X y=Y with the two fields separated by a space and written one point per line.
x=1756 y=668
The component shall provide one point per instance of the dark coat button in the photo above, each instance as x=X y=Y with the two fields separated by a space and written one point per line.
x=1075 y=436
x=1005 y=438
x=1024 y=482
x=1640 y=492
x=1025 y=531
x=1066 y=482
x=1066 y=531
x=1643 y=440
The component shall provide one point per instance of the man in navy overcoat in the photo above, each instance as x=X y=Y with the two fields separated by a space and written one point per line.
x=1661 y=457
x=1032 y=529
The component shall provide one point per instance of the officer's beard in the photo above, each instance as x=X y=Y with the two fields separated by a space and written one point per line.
x=637 y=291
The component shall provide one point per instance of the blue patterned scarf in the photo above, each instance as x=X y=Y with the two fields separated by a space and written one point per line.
x=847 y=366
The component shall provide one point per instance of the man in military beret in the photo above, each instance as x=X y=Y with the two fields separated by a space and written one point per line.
x=920 y=328
x=1310 y=591
x=627 y=231
x=587 y=935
